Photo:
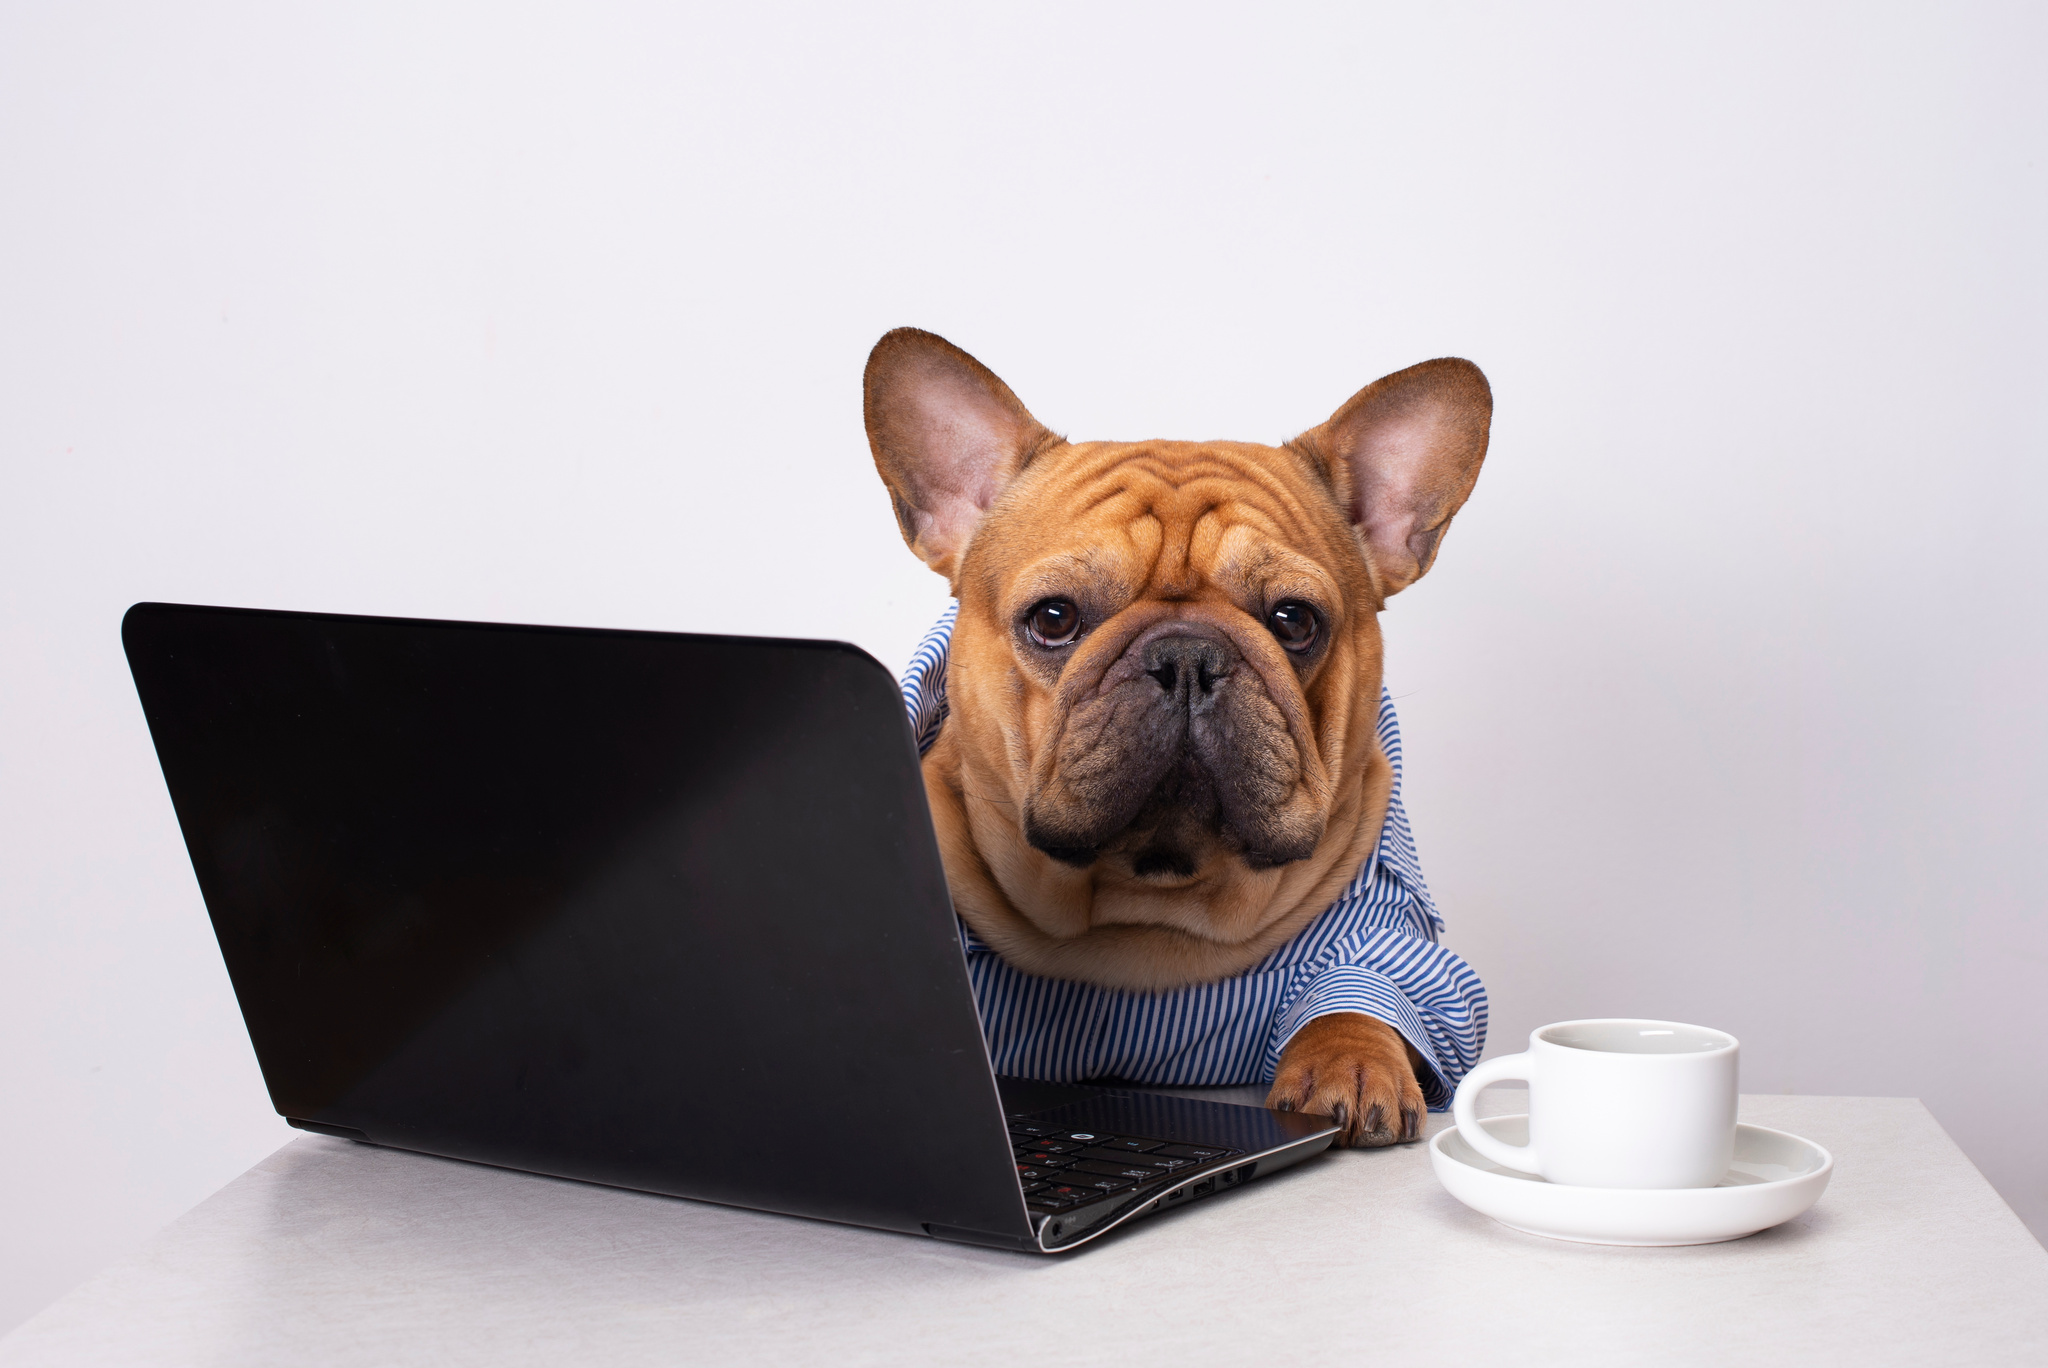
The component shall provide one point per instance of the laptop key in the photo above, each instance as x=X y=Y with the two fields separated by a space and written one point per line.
x=1197 y=1152
x=1049 y=1146
x=1040 y=1159
x=1132 y=1144
x=1102 y=1181
x=1037 y=1175
x=1027 y=1128
x=1069 y=1192
x=1031 y=1187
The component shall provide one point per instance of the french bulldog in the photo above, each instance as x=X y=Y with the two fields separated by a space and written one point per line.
x=1160 y=762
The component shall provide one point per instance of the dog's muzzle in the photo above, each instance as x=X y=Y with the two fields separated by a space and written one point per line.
x=1181 y=752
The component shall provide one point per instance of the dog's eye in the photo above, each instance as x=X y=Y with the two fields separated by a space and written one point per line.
x=1054 y=621
x=1294 y=623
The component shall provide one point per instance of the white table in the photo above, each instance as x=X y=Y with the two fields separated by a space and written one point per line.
x=335 y=1253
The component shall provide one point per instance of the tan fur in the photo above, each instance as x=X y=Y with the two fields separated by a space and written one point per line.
x=1183 y=532
x=1159 y=540
x=1357 y=1071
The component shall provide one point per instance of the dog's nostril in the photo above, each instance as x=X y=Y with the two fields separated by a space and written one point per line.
x=1196 y=662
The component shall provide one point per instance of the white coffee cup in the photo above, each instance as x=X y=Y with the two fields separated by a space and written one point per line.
x=1616 y=1103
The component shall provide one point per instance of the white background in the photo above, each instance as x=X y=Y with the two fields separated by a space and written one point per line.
x=1724 y=702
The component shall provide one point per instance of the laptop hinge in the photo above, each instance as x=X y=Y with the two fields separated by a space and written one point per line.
x=322 y=1128
x=986 y=1238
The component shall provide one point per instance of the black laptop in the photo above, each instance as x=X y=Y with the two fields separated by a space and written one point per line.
x=654 y=910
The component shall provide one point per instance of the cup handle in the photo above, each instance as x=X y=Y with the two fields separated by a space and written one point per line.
x=1465 y=1109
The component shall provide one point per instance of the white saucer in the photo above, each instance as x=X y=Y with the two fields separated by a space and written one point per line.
x=1775 y=1176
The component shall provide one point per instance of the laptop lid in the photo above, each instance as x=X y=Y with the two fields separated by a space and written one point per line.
x=656 y=910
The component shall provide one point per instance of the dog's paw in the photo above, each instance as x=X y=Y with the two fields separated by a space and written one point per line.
x=1356 y=1070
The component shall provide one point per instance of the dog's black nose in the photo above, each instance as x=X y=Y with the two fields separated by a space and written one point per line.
x=1188 y=665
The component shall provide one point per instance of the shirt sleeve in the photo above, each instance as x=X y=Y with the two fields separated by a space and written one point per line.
x=924 y=684
x=1390 y=967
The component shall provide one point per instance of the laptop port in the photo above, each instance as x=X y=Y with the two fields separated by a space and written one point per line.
x=1203 y=1188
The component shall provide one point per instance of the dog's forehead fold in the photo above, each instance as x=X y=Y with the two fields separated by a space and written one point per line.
x=1167 y=520
x=1176 y=480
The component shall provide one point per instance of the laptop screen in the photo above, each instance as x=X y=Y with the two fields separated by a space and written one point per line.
x=639 y=907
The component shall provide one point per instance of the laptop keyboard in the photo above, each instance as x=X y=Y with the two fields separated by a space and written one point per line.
x=1062 y=1169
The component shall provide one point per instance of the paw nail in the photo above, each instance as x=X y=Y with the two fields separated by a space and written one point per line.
x=1375 y=1117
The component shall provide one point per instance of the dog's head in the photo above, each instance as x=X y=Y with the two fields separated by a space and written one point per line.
x=1166 y=667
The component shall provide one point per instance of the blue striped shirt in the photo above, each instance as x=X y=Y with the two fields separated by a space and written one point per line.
x=1373 y=951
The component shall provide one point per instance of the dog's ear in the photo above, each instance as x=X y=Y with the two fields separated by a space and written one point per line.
x=947 y=436
x=1403 y=453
